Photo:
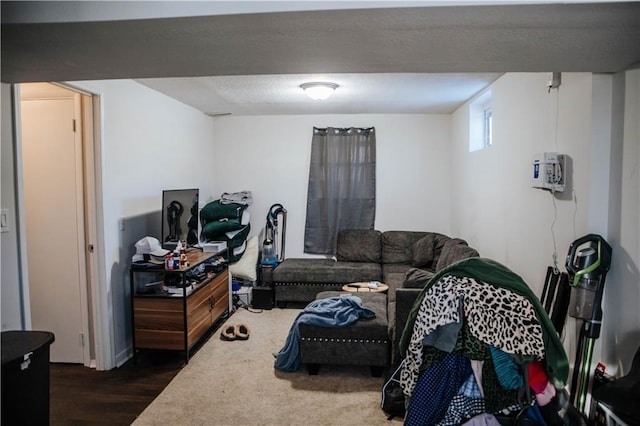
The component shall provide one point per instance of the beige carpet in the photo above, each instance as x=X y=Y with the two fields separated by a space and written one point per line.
x=234 y=383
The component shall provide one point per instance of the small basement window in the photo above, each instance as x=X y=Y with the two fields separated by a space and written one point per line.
x=481 y=122
x=488 y=120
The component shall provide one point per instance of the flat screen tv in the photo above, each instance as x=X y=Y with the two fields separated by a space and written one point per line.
x=179 y=217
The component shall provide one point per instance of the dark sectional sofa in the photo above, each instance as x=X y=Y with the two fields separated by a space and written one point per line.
x=404 y=260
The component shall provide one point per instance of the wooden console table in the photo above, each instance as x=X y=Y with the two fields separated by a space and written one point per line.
x=178 y=320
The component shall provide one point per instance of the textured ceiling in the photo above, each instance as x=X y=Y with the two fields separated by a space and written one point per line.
x=356 y=94
x=390 y=57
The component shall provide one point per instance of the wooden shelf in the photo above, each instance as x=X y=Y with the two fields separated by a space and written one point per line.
x=175 y=322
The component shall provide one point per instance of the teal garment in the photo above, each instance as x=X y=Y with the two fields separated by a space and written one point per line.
x=490 y=271
x=507 y=370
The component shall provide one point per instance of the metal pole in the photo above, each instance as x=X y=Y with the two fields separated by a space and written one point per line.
x=577 y=365
x=284 y=234
x=584 y=374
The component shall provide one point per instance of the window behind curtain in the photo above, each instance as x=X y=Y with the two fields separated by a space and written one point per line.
x=342 y=185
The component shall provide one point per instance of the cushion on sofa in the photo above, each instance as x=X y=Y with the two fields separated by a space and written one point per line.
x=359 y=245
x=300 y=270
x=423 y=251
x=454 y=250
x=393 y=275
x=397 y=246
x=325 y=271
x=440 y=241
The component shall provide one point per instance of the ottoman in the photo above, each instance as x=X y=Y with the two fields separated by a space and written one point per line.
x=366 y=342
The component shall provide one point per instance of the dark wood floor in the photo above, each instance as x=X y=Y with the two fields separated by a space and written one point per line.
x=84 y=396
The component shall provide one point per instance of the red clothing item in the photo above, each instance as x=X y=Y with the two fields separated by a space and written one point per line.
x=537 y=377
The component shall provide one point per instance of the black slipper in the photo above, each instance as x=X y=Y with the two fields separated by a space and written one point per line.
x=228 y=333
x=242 y=332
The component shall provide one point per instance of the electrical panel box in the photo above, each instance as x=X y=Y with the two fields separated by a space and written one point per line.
x=548 y=171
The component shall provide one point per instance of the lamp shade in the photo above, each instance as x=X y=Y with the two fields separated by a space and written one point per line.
x=319 y=90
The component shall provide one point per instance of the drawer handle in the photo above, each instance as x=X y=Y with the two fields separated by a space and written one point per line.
x=212 y=303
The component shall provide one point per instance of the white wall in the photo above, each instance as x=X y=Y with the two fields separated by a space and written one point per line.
x=494 y=205
x=149 y=142
x=495 y=208
x=497 y=211
x=269 y=155
x=621 y=332
x=11 y=300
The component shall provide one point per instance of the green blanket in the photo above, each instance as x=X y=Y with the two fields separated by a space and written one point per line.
x=215 y=210
x=490 y=271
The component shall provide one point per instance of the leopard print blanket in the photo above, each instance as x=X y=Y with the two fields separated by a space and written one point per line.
x=494 y=315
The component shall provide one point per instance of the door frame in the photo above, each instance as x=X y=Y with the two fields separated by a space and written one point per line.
x=95 y=303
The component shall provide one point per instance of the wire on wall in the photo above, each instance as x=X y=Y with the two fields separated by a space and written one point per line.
x=554 y=116
x=554 y=256
x=575 y=212
x=554 y=83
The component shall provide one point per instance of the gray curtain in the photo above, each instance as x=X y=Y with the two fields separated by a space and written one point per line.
x=342 y=185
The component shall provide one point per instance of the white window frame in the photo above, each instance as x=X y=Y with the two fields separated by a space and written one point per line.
x=487 y=134
x=481 y=122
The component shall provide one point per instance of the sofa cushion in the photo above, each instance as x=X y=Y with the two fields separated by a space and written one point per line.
x=393 y=275
x=423 y=253
x=440 y=241
x=454 y=250
x=359 y=245
x=325 y=271
x=397 y=246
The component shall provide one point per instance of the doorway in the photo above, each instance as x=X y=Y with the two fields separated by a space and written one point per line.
x=54 y=150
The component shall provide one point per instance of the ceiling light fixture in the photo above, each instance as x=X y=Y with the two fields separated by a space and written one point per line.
x=319 y=91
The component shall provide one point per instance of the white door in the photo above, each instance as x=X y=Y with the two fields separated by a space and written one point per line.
x=52 y=164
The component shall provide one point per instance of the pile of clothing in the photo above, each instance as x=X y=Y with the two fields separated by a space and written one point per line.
x=478 y=341
x=227 y=219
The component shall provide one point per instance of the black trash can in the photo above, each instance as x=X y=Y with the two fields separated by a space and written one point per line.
x=262 y=297
x=25 y=377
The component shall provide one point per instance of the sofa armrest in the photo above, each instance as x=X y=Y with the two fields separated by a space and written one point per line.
x=417 y=278
x=405 y=298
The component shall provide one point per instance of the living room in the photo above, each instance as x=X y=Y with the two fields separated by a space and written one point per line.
x=427 y=179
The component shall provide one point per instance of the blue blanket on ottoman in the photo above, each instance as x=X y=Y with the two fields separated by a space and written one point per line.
x=330 y=312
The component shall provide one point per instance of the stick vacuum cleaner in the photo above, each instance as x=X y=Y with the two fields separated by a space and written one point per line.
x=273 y=244
x=588 y=262
x=275 y=235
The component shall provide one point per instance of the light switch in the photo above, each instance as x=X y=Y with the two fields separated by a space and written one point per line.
x=4 y=220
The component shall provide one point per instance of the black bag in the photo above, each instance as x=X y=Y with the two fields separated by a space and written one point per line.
x=392 y=401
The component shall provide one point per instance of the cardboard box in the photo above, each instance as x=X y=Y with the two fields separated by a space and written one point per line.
x=244 y=294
